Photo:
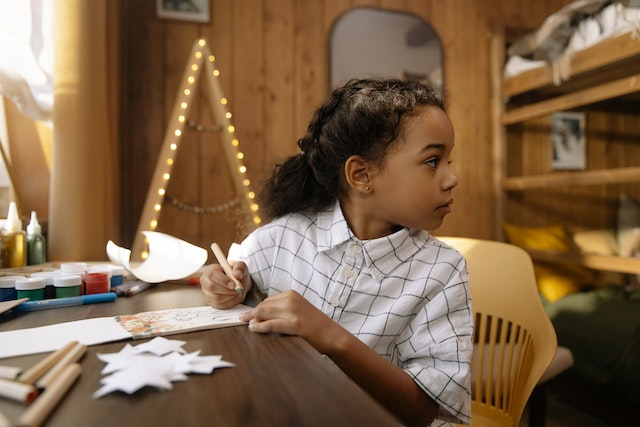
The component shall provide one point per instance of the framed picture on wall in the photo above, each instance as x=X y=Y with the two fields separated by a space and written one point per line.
x=185 y=10
x=569 y=144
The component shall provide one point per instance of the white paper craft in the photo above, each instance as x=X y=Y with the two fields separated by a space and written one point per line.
x=156 y=363
x=169 y=258
x=108 y=329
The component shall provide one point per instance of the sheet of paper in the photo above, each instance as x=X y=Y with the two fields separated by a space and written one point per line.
x=108 y=329
x=53 y=337
x=173 y=321
x=169 y=258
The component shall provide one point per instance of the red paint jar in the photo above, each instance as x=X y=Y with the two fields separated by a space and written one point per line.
x=96 y=283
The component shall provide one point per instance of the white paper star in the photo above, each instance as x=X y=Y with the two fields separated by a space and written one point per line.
x=153 y=372
x=155 y=363
x=160 y=346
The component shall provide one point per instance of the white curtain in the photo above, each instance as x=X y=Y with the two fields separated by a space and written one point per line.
x=26 y=55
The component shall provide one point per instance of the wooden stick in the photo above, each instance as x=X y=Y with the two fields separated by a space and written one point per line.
x=222 y=260
x=40 y=409
x=35 y=372
x=76 y=352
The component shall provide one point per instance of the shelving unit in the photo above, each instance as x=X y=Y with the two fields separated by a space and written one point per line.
x=604 y=78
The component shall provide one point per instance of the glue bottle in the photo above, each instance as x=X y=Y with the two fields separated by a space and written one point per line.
x=14 y=240
x=36 y=243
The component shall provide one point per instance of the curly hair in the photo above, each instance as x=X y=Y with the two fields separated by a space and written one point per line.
x=362 y=118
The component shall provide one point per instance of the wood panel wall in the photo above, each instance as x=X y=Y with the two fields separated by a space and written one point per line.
x=273 y=57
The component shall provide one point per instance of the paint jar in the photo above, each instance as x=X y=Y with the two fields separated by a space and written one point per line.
x=67 y=285
x=30 y=287
x=96 y=283
x=73 y=268
x=8 y=287
x=102 y=268
x=49 y=289
x=36 y=242
x=117 y=275
x=14 y=240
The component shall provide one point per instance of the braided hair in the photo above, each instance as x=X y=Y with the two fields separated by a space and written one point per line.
x=361 y=118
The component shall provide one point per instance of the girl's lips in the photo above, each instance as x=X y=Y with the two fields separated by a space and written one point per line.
x=446 y=208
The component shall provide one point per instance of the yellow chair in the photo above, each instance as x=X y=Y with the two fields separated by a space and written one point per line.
x=514 y=340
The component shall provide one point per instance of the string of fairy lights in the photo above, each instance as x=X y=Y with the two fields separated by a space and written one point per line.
x=200 y=60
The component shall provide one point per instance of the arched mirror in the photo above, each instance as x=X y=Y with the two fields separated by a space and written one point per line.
x=369 y=42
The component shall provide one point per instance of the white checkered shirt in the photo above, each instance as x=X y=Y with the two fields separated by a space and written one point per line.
x=405 y=295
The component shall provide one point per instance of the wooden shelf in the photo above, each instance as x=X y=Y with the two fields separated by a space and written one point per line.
x=606 y=53
x=596 y=262
x=572 y=179
x=580 y=98
x=607 y=71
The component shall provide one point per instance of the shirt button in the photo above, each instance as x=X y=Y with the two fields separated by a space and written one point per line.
x=357 y=250
x=348 y=273
x=334 y=301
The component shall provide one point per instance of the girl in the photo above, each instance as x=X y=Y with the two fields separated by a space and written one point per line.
x=347 y=260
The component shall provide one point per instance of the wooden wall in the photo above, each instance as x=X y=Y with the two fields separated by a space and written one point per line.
x=273 y=58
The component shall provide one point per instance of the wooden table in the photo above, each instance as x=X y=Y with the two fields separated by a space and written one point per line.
x=277 y=381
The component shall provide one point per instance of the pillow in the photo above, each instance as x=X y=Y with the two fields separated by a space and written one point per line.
x=554 y=280
x=599 y=242
x=558 y=280
x=552 y=237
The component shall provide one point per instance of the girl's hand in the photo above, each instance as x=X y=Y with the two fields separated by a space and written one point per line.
x=289 y=313
x=219 y=290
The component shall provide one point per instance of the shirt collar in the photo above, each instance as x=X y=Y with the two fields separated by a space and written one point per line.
x=382 y=255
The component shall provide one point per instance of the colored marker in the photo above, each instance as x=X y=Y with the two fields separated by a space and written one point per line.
x=66 y=302
x=20 y=392
x=130 y=288
x=39 y=410
x=222 y=260
x=10 y=372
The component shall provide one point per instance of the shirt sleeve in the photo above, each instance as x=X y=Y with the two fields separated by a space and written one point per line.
x=437 y=346
x=257 y=251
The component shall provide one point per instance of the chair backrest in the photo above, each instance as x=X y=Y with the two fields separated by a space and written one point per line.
x=514 y=340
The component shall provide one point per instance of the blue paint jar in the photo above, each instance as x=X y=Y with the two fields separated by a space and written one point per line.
x=117 y=275
x=8 y=287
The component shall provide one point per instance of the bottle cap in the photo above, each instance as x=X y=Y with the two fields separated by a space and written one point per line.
x=65 y=280
x=29 y=283
x=13 y=222
x=34 y=226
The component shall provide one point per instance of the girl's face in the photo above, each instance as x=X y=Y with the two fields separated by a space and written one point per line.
x=414 y=184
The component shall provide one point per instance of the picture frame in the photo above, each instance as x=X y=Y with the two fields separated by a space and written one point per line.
x=568 y=139
x=184 y=10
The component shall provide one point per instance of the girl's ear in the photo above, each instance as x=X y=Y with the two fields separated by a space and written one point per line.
x=358 y=174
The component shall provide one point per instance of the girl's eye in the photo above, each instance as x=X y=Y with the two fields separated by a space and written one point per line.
x=433 y=162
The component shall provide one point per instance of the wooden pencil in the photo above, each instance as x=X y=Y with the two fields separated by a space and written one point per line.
x=36 y=371
x=222 y=260
x=41 y=408
x=73 y=355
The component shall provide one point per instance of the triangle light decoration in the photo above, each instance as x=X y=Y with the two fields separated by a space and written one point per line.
x=201 y=60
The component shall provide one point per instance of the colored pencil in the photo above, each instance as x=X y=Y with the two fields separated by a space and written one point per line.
x=37 y=413
x=222 y=260
x=34 y=373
